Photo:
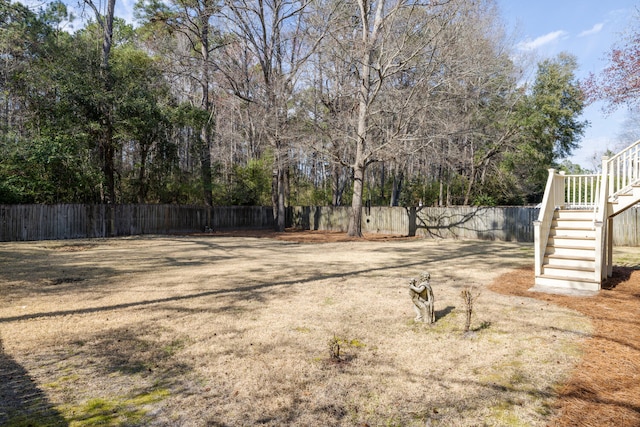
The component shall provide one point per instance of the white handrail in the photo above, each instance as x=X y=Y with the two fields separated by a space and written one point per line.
x=553 y=197
x=623 y=169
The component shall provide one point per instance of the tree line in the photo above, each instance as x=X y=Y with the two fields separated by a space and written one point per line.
x=278 y=102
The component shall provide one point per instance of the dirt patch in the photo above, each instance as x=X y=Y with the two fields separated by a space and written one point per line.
x=201 y=330
x=604 y=389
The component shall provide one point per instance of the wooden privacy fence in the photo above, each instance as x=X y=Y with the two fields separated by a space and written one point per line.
x=464 y=222
x=626 y=228
x=70 y=221
x=487 y=223
x=44 y=222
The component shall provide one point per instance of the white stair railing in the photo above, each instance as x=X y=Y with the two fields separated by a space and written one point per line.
x=623 y=169
x=554 y=195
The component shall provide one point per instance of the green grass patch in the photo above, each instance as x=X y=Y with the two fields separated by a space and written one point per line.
x=62 y=381
x=173 y=347
x=129 y=411
x=503 y=414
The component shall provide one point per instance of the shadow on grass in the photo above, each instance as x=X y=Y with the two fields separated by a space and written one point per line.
x=464 y=252
x=444 y=312
x=22 y=403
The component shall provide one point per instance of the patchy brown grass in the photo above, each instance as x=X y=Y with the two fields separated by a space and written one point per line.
x=223 y=329
x=604 y=389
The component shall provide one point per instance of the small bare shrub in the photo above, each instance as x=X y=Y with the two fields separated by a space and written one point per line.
x=469 y=295
x=338 y=345
x=334 y=348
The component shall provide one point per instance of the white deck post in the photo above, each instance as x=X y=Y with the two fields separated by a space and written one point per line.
x=609 y=247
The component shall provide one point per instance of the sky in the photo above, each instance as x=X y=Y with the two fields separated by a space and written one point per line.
x=587 y=29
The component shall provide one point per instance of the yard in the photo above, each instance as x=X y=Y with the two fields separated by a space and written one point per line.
x=227 y=329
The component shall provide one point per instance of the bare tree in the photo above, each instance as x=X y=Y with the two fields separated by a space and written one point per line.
x=444 y=115
x=276 y=38
x=387 y=38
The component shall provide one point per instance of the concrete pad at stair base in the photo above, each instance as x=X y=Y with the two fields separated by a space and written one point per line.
x=563 y=291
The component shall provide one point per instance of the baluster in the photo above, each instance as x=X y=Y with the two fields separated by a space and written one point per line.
x=570 y=189
x=627 y=171
x=618 y=172
x=635 y=164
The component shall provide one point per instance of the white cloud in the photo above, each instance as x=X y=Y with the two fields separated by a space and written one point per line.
x=542 y=40
x=593 y=30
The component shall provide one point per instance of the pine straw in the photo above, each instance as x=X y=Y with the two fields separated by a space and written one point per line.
x=604 y=389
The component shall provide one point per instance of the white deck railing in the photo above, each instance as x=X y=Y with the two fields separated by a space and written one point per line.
x=581 y=191
x=624 y=169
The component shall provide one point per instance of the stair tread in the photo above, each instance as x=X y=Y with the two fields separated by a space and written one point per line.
x=574 y=279
x=558 y=236
x=564 y=267
x=571 y=218
x=570 y=257
x=579 y=248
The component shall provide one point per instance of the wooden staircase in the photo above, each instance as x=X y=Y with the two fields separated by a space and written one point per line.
x=570 y=255
x=573 y=245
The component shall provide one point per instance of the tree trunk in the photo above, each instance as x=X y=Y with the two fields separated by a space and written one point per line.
x=336 y=187
x=441 y=187
x=281 y=215
x=108 y=169
x=142 y=185
x=107 y=29
x=472 y=176
x=397 y=188
x=359 y=166
x=470 y=185
x=205 y=104
x=382 y=182
x=355 y=219
x=205 y=165
x=105 y=145
x=107 y=154
x=360 y=163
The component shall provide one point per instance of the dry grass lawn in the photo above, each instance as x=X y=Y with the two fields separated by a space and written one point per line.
x=229 y=330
